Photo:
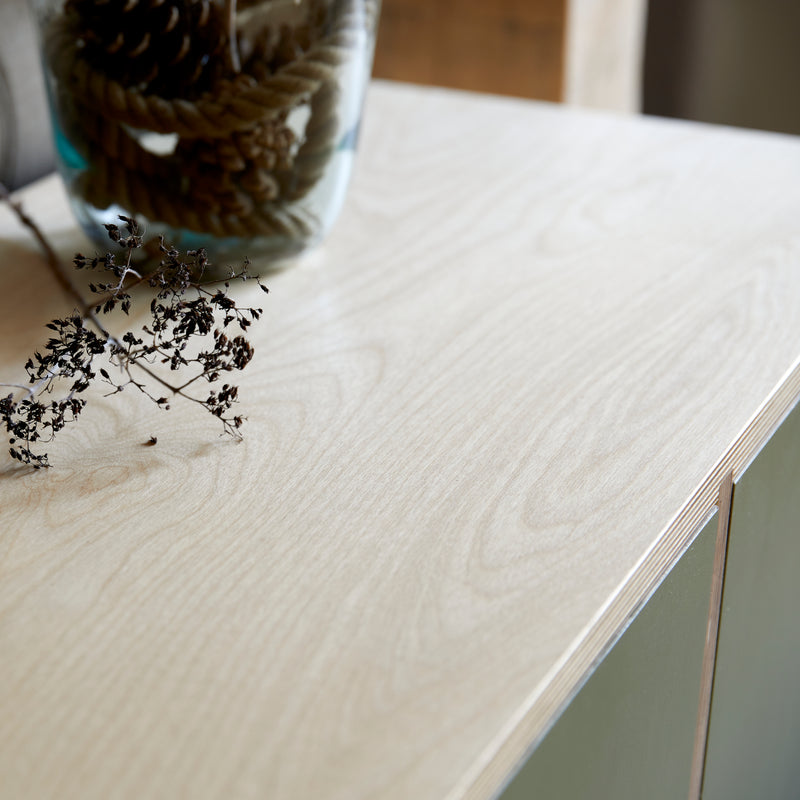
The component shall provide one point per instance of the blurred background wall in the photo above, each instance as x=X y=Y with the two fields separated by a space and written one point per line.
x=728 y=61
x=735 y=62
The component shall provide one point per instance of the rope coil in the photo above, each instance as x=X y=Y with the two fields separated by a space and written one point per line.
x=238 y=168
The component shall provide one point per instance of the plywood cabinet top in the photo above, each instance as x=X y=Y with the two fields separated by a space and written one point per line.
x=484 y=420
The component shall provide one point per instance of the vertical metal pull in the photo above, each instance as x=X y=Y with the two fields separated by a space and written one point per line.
x=712 y=638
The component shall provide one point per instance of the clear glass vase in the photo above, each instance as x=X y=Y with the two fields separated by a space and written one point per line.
x=224 y=124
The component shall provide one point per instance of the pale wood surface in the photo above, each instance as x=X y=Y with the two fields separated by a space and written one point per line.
x=604 y=53
x=484 y=421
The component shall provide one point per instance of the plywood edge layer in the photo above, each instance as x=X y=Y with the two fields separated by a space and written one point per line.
x=514 y=743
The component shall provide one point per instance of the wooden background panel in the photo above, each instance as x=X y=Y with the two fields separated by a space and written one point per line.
x=512 y=47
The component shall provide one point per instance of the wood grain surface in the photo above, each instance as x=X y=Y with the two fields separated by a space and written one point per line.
x=484 y=421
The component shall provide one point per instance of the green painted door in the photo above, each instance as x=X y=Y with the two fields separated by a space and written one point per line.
x=754 y=733
x=629 y=733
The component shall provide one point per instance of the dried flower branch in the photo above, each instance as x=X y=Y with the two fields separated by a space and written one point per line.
x=187 y=310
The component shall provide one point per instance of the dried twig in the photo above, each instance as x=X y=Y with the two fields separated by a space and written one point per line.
x=186 y=307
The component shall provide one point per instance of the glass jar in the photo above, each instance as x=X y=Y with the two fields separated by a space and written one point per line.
x=224 y=124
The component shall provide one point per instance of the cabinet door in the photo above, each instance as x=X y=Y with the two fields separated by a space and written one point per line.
x=629 y=733
x=754 y=732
